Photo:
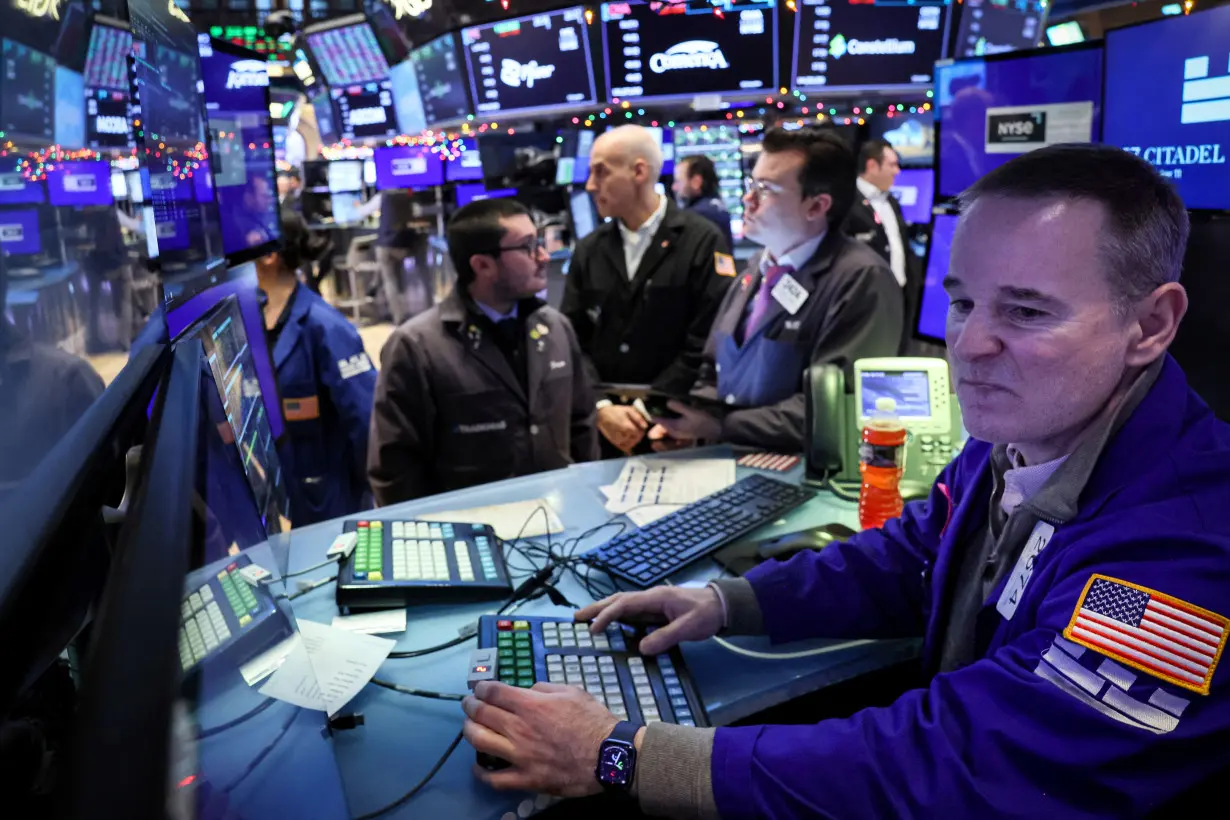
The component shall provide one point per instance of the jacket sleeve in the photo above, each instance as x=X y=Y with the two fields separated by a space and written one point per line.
x=1040 y=727
x=863 y=321
x=583 y=438
x=708 y=289
x=351 y=394
x=573 y=307
x=403 y=416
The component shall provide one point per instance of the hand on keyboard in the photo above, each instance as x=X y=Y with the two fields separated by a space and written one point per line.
x=690 y=615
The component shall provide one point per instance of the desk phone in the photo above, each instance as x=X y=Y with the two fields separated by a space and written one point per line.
x=222 y=614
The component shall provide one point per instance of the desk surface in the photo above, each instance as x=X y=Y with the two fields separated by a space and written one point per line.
x=404 y=736
x=47 y=277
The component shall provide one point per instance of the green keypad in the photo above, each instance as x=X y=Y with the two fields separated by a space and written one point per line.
x=369 y=551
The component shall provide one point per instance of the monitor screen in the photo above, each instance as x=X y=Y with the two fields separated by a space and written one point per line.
x=119 y=185
x=517 y=155
x=468 y=167
x=656 y=50
x=1179 y=65
x=70 y=109
x=720 y=142
x=585 y=144
x=369 y=172
x=915 y=192
x=107 y=120
x=346 y=207
x=27 y=92
x=846 y=44
x=15 y=189
x=80 y=183
x=136 y=185
x=106 y=60
x=345 y=175
x=407 y=102
x=365 y=111
x=442 y=90
x=470 y=191
x=995 y=26
x=911 y=135
x=408 y=166
x=530 y=63
x=322 y=106
x=992 y=110
x=349 y=55
x=19 y=232
x=581 y=207
x=933 y=307
x=909 y=389
x=1065 y=34
x=242 y=163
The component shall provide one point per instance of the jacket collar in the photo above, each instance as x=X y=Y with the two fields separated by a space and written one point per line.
x=458 y=306
x=293 y=330
x=663 y=242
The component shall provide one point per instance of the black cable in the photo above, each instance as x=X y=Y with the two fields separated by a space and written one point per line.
x=241 y=719
x=263 y=753
x=418 y=786
x=418 y=693
x=418 y=653
x=321 y=565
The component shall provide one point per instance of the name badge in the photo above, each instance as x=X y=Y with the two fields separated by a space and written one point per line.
x=789 y=294
x=1014 y=590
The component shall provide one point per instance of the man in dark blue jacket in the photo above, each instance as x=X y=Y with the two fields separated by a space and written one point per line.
x=1069 y=573
x=696 y=187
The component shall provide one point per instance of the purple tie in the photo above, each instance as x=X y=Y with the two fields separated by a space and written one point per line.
x=764 y=297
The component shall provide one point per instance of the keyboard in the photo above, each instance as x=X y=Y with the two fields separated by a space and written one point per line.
x=654 y=552
x=396 y=563
x=638 y=688
x=223 y=614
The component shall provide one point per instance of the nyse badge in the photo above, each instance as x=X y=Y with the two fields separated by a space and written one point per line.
x=476 y=335
x=724 y=264
x=539 y=331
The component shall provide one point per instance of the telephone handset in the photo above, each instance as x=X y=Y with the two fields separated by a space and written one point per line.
x=824 y=386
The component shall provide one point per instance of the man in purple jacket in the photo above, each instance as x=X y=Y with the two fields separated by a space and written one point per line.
x=1069 y=573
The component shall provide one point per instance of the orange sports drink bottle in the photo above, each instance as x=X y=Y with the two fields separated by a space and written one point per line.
x=882 y=463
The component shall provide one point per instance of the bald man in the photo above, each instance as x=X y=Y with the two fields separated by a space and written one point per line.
x=643 y=288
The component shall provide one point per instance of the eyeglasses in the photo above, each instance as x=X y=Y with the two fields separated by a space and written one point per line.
x=758 y=188
x=530 y=247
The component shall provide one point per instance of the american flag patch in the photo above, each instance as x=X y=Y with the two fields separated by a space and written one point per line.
x=1147 y=630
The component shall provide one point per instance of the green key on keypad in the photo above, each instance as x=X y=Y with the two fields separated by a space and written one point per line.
x=506 y=656
x=525 y=682
x=525 y=666
x=504 y=641
x=508 y=676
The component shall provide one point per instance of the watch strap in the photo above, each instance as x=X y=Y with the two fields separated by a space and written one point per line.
x=625 y=730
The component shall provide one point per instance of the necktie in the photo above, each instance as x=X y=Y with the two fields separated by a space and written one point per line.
x=764 y=297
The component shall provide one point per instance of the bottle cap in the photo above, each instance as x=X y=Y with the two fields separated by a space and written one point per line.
x=884 y=404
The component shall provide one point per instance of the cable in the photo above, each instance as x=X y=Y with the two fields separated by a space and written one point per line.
x=787 y=656
x=842 y=492
x=241 y=719
x=418 y=786
x=305 y=588
x=418 y=693
x=321 y=565
x=418 y=653
x=264 y=752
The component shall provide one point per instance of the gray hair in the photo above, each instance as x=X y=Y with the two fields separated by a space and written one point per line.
x=1147 y=224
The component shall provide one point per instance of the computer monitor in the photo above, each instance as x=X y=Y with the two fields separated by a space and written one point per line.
x=27 y=95
x=346 y=208
x=911 y=135
x=429 y=87
x=242 y=162
x=70 y=109
x=345 y=175
x=1179 y=66
x=322 y=107
x=585 y=144
x=840 y=45
x=933 y=307
x=530 y=64
x=57 y=547
x=365 y=111
x=469 y=192
x=19 y=231
x=79 y=183
x=119 y=184
x=108 y=124
x=679 y=50
x=991 y=110
x=407 y=167
x=722 y=143
x=347 y=52
x=137 y=185
x=523 y=158
x=407 y=99
x=584 y=215
x=1066 y=33
x=316 y=175
x=467 y=166
x=994 y=26
x=915 y=192
x=15 y=189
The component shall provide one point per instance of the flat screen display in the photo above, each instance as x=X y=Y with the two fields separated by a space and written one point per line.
x=19 y=232
x=349 y=55
x=322 y=106
x=530 y=63
x=407 y=166
x=909 y=389
x=933 y=307
x=407 y=102
x=27 y=94
x=468 y=167
x=915 y=192
x=1180 y=66
x=996 y=26
x=1065 y=34
x=106 y=60
x=107 y=120
x=442 y=90
x=844 y=44
x=365 y=111
x=471 y=191
x=655 y=50
x=15 y=189
x=70 y=109
x=79 y=184
x=911 y=135
x=345 y=176
x=990 y=111
x=581 y=208
x=119 y=185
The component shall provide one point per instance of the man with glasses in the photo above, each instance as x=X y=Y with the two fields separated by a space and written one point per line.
x=811 y=296
x=488 y=384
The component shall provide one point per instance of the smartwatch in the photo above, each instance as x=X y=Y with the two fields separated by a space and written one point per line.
x=617 y=758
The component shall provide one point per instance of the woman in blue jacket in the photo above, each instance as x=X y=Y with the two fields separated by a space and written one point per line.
x=326 y=381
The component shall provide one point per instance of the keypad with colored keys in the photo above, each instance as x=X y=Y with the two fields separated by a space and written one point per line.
x=397 y=562
x=219 y=612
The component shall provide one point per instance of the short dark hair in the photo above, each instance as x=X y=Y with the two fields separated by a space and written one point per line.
x=703 y=167
x=828 y=166
x=476 y=228
x=298 y=244
x=872 y=150
x=1146 y=221
x=293 y=173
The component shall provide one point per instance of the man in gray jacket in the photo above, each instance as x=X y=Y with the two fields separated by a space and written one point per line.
x=487 y=385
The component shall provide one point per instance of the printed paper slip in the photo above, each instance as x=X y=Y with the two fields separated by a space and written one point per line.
x=326 y=667
x=643 y=482
x=507 y=519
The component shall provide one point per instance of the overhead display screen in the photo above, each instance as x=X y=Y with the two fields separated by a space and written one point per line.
x=407 y=166
x=365 y=111
x=1179 y=65
x=844 y=44
x=996 y=26
x=27 y=94
x=106 y=61
x=655 y=50
x=349 y=55
x=441 y=87
x=536 y=62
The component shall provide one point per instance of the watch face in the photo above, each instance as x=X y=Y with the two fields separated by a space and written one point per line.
x=615 y=765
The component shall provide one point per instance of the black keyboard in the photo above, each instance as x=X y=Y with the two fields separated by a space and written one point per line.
x=635 y=687
x=396 y=563
x=654 y=552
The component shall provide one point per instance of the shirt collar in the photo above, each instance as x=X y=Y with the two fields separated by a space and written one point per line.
x=797 y=257
x=651 y=224
x=868 y=190
x=495 y=316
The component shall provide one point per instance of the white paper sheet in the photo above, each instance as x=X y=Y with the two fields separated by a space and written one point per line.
x=327 y=667
x=647 y=515
x=380 y=622
x=671 y=481
x=267 y=662
x=507 y=519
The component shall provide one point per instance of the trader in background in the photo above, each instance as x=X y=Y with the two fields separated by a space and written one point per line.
x=876 y=216
x=1069 y=575
x=696 y=186
x=812 y=296
x=488 y=384
x=642 y=288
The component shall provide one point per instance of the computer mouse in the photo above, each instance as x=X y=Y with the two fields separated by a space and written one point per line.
x=816 y=538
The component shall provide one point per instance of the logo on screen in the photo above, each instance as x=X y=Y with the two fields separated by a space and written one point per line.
x=12 y=182
x=248 y=74
x=689 y=54
x=515 y=74
x=1027 y=127
x=368 y=116
x=80 y=183
x=12 y=233
x=409 y=166
x=839 y=46
x=1205 y=98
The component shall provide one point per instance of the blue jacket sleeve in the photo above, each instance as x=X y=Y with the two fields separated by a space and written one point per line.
x=868 y=587
x=1040 y=727
x=352 y=392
